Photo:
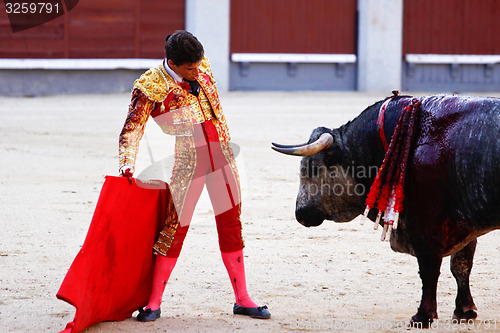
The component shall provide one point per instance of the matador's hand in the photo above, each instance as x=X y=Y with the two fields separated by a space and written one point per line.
x=128 y=172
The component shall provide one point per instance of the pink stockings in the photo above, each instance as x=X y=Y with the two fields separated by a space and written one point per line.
x=235 y=268
x=163 y=269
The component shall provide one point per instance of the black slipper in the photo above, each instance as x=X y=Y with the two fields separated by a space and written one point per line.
x=148 y=315
x=257 y=312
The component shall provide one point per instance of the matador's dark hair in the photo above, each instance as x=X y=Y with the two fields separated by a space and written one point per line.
x=183 y=48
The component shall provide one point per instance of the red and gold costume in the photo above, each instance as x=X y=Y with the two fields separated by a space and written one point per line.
x=203 y=155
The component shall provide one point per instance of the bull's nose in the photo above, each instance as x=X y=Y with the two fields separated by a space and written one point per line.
x=309 y=216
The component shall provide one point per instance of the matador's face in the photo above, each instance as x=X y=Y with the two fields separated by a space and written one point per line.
x=187 y=71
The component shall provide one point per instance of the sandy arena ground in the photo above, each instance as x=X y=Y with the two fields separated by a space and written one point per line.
x=55 y=152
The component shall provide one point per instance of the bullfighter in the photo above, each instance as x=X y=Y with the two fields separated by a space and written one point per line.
x=181 y=96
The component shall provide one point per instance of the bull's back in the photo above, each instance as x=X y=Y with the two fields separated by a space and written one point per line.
x=458 y=148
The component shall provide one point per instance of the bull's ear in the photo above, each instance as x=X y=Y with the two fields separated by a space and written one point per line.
x=334 y=153
x=317 y=132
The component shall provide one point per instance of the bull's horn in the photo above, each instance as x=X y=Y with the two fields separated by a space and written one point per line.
x=325 y=141
x=287 y=146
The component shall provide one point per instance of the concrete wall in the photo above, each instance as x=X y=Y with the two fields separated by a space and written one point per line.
x=451 y=78
x=292 y=76
x=208 y=20
x=380 y=45
x=39 y=82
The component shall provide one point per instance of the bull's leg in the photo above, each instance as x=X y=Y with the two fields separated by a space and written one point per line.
x=461 y=265
x=429 y=269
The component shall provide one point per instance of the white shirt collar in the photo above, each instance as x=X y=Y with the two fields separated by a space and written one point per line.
x=170 y=72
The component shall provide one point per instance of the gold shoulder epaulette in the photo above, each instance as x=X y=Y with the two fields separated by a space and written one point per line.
x=205 y=68
x=153 y=84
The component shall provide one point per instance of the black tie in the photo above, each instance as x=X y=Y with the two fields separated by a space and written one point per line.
x=195 y=87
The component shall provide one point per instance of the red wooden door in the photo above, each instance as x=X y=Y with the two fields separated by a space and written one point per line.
x=98 y=29
x=293 y=26
x=451 y=27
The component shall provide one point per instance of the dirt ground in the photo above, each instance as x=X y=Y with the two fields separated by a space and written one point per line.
x=56 y=150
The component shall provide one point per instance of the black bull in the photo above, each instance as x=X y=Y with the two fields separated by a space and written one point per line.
x=452 y=184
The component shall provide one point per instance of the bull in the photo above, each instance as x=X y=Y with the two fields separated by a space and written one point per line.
x=452 y=184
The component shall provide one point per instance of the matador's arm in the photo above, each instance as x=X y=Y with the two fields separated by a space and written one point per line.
x=139 y=110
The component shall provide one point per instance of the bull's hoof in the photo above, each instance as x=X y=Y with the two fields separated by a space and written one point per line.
x=421 y=320
x=459 y=315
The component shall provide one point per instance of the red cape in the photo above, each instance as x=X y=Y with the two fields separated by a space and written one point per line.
x=112 y=274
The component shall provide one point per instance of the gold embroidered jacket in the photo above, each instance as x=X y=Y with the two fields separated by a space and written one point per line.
x=176 y=111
